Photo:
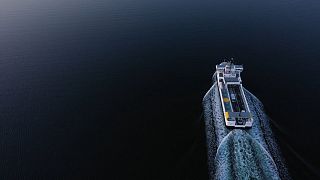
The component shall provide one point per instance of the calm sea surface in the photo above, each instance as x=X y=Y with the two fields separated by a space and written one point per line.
x=113 y=89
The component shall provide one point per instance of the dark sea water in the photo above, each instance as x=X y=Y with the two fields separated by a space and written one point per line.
x=113 y=89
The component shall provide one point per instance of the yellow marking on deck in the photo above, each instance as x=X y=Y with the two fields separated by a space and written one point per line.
x=226 y=100
x=226 y=115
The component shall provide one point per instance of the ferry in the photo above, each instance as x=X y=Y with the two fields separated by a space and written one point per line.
x=234 y=103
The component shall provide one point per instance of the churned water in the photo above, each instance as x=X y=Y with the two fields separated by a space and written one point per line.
x=250 y=153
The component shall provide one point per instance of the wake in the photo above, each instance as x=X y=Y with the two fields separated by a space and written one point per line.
x=241 y=153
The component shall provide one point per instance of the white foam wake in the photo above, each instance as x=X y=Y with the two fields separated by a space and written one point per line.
x=241 y=154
